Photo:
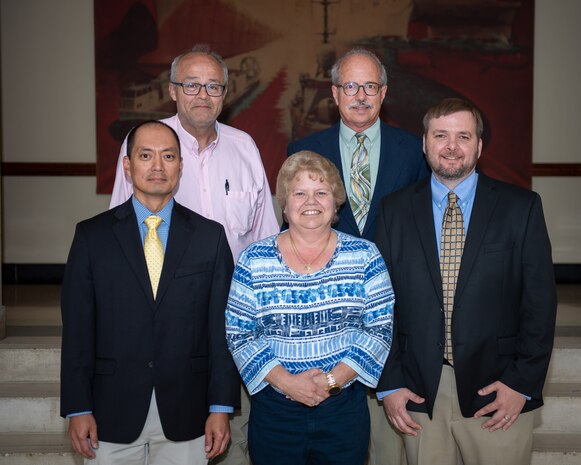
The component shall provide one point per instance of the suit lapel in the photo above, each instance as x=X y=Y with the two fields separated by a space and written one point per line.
x=180 y=234
x=485 y=201
x=127 y=233
x=388 y=170
x=424 y=220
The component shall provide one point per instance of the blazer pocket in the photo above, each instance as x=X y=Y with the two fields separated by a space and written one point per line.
x=497 y=247
x=507 y=345
x=199 y=364
x=105 y=366
x=190 y=270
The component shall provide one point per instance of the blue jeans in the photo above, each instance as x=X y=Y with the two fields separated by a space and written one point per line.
x=285 y=432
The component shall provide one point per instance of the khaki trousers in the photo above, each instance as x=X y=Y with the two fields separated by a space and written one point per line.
x=151 y=447
x=449 y=437
x=386 y=444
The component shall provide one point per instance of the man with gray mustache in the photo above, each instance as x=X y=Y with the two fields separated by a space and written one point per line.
x=374 y=159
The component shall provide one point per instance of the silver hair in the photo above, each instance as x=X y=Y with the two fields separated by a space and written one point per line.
x=202 y=49
x=336 y=69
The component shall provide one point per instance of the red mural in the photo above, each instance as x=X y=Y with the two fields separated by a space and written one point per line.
x=279 y=56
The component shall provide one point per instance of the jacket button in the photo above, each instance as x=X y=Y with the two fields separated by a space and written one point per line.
x=151 y=364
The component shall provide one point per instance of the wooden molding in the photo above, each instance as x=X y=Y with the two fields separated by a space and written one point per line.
x=90 y=169
x=556 y=169
x=48 y=169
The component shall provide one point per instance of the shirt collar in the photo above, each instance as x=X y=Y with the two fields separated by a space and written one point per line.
x=190 y=141
x=465 y=190
x=347 y=134
x=142 y=212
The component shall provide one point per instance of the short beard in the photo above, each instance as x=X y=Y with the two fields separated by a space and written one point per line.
x=452 y=174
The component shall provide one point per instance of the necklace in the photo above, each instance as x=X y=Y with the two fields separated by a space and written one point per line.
x=308 y=266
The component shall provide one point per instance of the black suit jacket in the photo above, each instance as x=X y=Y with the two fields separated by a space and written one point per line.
x=119 y=344
x=505 y=303
x=401 y=163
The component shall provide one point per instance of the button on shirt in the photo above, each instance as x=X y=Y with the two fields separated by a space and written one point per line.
x=244 y=209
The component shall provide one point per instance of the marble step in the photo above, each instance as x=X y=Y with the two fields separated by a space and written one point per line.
x=37 y=449
x=562 y=409
x=30 y=358
x=55 y=449
x=556 y=449
x=21 y=402
x=30 y=408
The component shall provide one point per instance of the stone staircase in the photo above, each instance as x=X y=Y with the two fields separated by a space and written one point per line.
x=32 y=432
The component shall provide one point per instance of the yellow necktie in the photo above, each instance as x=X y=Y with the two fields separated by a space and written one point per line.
x=360 y=182
x=452 y=246
x=153 y=249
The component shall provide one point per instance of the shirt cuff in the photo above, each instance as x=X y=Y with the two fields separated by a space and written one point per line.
x=78 y=414
x=221 y=409
x=382 y=394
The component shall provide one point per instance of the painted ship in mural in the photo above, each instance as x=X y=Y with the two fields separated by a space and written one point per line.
x=151 y=100
x=467 y=25
x=313 y=108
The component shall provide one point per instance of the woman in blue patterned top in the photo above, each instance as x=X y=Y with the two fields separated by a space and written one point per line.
x=309 y=325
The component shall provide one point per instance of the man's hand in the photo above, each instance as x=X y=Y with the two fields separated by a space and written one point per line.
x=508 y=405
x=394 y=405
x=82 y=427
x=217 y=434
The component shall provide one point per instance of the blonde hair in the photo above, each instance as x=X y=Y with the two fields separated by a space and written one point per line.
x=317 y=166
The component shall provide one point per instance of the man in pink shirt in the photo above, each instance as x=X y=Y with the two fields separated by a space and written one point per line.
x=222 y=177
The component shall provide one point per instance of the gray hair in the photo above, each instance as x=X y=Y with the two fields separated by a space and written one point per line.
x=199 y=49
x=336 y=69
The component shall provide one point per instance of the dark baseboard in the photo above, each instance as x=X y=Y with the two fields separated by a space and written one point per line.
x=28 y=273
x=14 y=273
x=568 y=273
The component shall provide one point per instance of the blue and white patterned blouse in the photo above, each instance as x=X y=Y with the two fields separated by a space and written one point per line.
x=341 y=313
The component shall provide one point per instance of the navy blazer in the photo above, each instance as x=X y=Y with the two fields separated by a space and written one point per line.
x=401 y=163
x=119 y=343
x=505 y=303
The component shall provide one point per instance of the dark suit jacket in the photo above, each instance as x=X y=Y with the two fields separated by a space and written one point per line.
x=118 y=343
x=401 y=163
x=505 y=304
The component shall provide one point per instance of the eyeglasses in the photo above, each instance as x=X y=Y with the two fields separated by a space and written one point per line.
x=194 y=88
x=352 y=88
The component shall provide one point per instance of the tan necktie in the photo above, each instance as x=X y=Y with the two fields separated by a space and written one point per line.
x=153 y=249
x=360 y=182
x=451 y=249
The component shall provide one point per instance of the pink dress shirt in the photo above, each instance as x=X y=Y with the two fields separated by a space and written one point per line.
x=225 y=182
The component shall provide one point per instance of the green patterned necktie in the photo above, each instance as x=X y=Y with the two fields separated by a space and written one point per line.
x=360 y=182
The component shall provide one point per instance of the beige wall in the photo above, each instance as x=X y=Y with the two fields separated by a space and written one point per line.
x=48 y=108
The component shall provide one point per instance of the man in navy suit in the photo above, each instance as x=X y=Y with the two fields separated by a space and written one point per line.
x=146 y=376
x=395 y=156
x=395 y=160
x=468 y=363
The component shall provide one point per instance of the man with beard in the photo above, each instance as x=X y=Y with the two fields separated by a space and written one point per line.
x=470 y=261
x=374 y=159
